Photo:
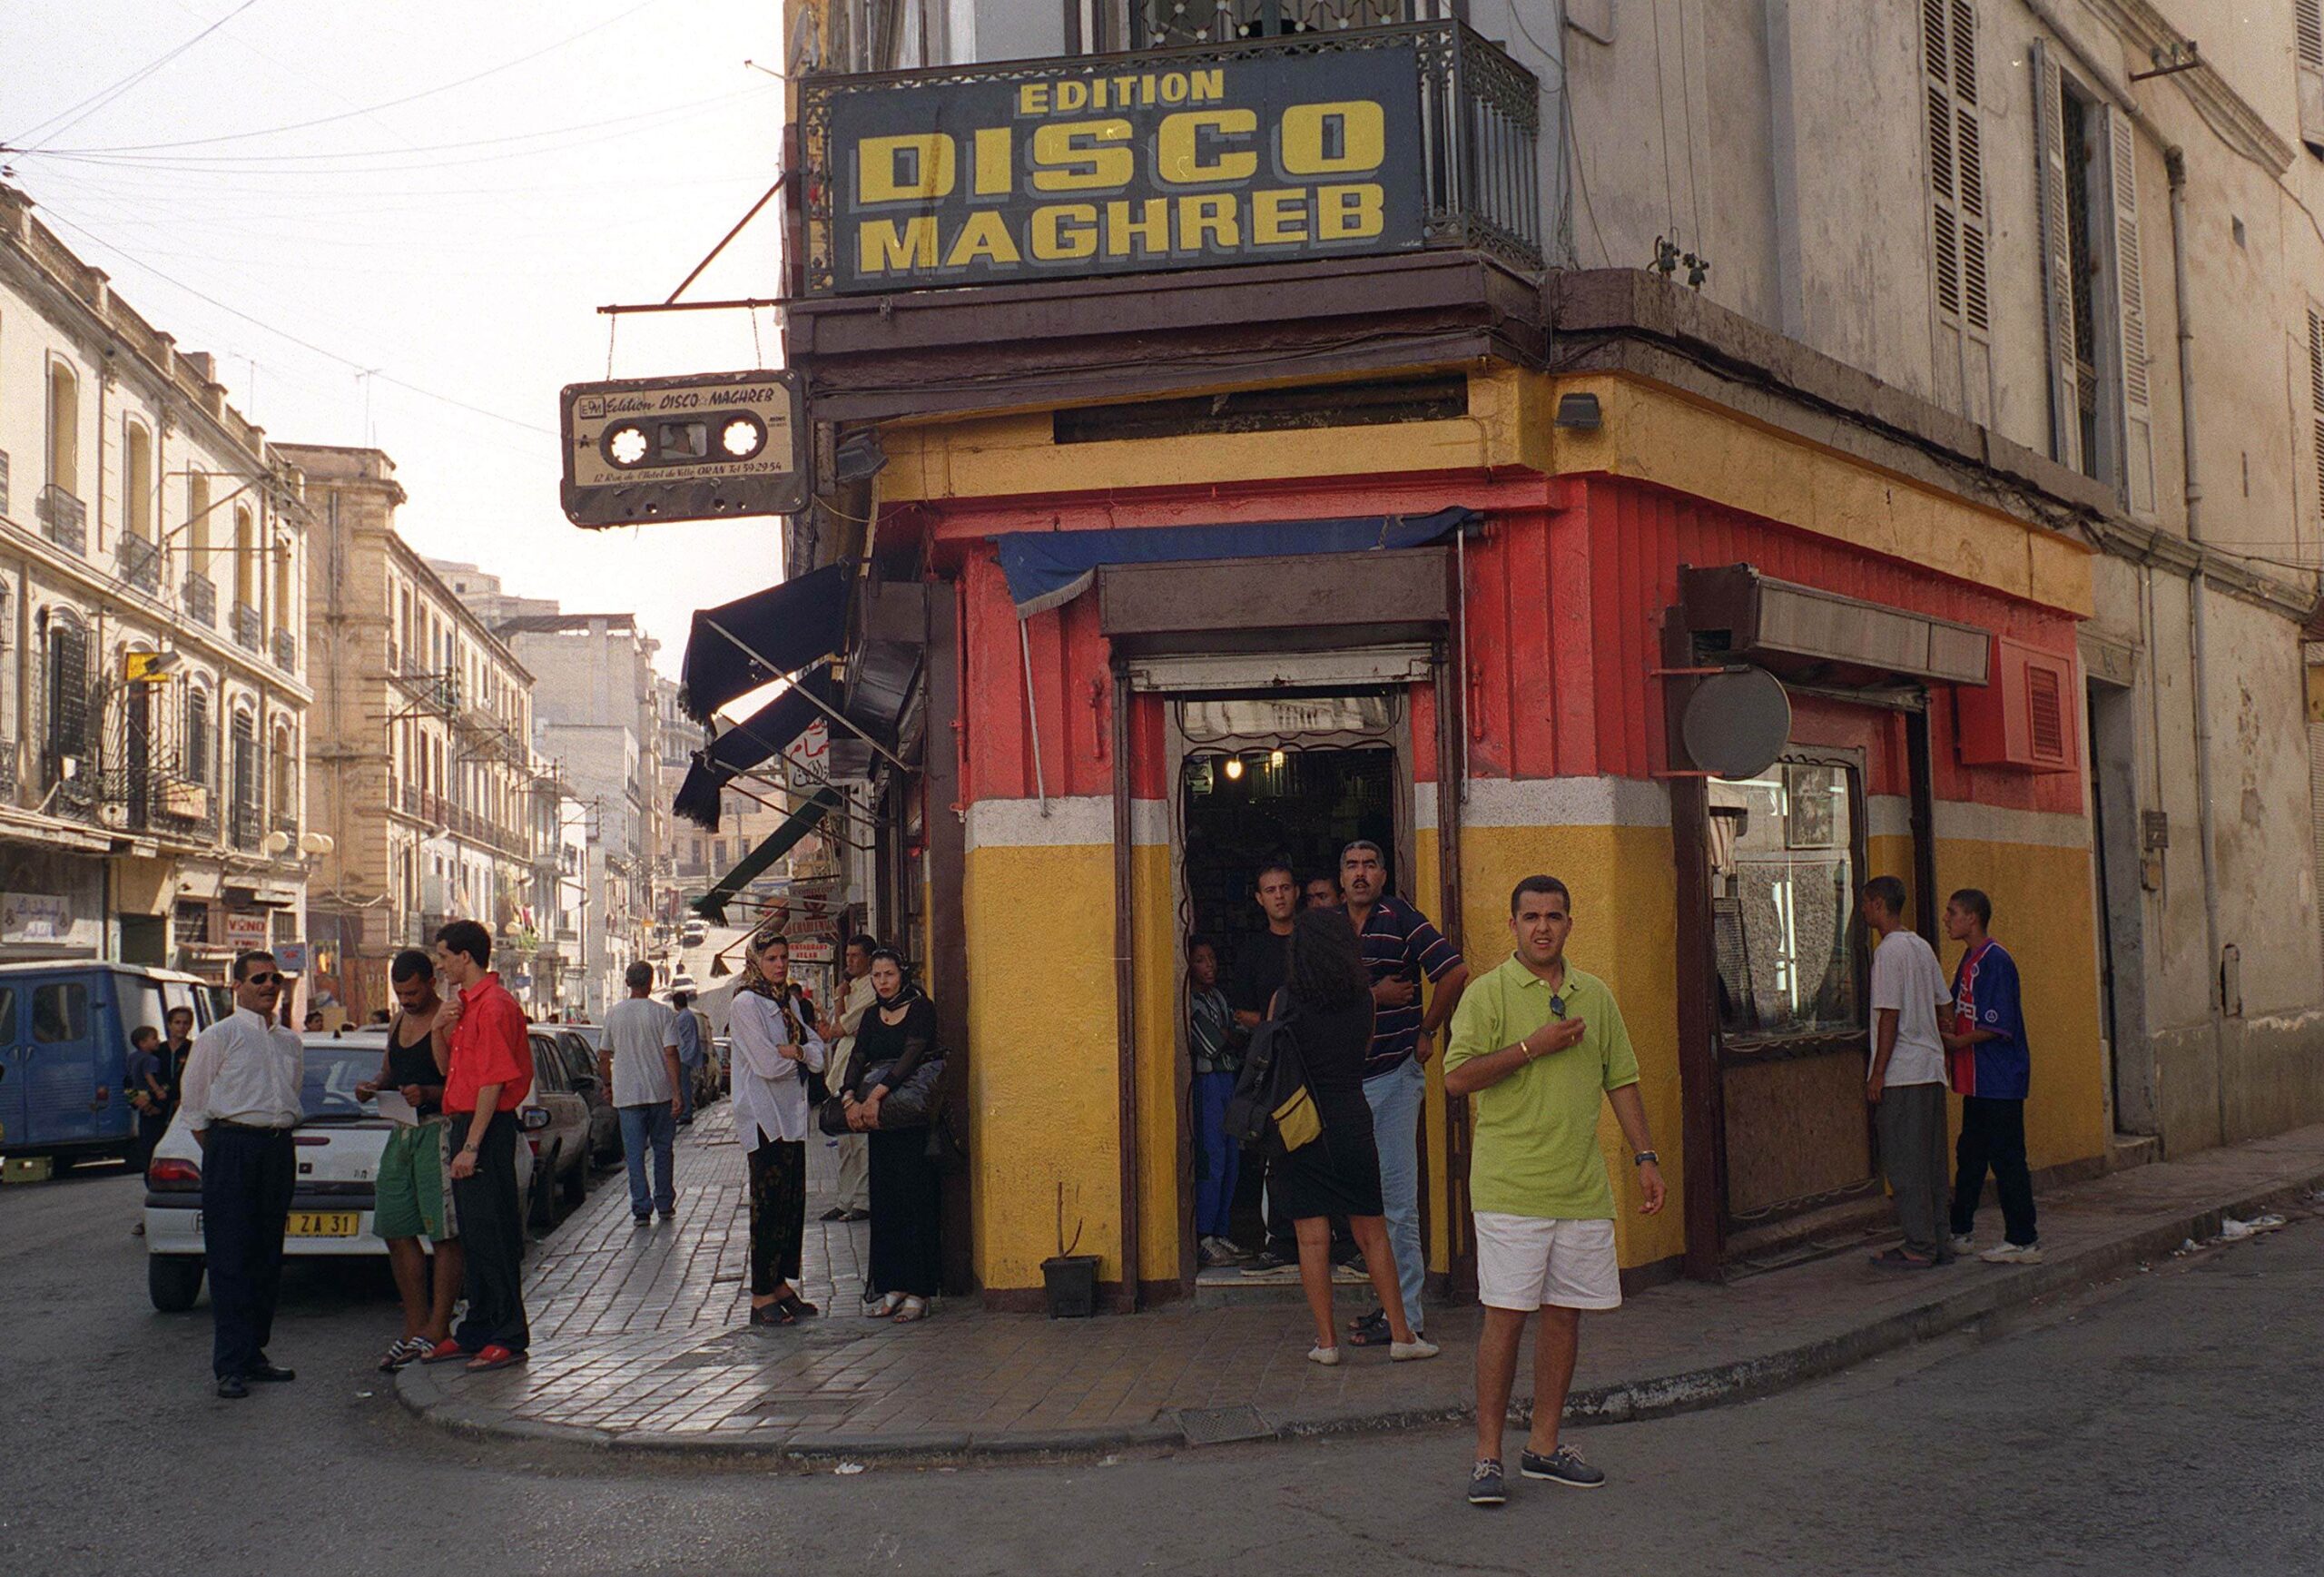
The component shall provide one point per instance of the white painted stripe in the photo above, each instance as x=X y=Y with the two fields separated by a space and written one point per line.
x=1960 y=820
x=1075 y=820
x=1888 y=816
x=1424 y=807
x=1565 y=802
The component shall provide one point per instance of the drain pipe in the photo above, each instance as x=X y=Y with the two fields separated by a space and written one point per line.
x=2175 y=160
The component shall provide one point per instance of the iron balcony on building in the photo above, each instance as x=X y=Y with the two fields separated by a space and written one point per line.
x=286 y=652
x=248 y=631
x=141 y=565
x=64 y=519
x=245 y=826
x=7 y=768
x=202 y=599
x=4 y=483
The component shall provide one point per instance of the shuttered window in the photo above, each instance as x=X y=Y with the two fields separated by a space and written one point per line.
x=2308 y=32
x=68 y=690
x=2315 y=400
x=2137 y=478
x=1958 y=222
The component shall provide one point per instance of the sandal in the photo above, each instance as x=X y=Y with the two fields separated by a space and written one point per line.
x=880 y=1306
x=913 y=1308
x=774 y=1313
x=405 y=1350
x=797 y=1307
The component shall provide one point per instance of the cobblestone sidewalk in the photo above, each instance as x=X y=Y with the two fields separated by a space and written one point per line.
x=641 y=1338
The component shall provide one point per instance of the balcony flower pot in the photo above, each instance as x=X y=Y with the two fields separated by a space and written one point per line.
x=1072 y=1283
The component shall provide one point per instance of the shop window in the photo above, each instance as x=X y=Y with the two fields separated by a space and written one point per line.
x=1784 y=877
x=59 y=1013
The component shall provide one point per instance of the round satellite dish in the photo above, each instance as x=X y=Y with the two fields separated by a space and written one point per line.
x=1736 y=722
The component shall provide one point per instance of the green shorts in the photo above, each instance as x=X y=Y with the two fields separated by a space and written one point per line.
x=412 y=1201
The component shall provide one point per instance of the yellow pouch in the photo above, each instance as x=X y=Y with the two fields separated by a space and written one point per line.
x=1296 y=1120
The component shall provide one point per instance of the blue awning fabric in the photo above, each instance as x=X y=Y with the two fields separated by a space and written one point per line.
x=790 y=623
x=743 y=746
x=1048 y=569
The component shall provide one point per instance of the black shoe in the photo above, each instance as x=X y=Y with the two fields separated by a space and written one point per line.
x=641 y=1217
x=670 y=1215
x=233 y=1387
x=1564 y=1466
x=1486 y=1485
x=1267 y=1259
x=856 y=1216
x=271 y=1373
x=834 y=1214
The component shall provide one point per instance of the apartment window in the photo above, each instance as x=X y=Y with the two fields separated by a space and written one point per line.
x=1959 y=225
x=197 y=526
x=246 y=580
x=286 y=776
x=286 y=584
x=2308 y=35
x=139 y=500
x=2315 y=400
x=245 y=779
x=197 y=734
x=67 y=688
x=63 y=429
x=1160 y=23
x=2102 y=418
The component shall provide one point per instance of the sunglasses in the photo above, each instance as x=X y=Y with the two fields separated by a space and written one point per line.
x=265 y=980
x=1557 y=1007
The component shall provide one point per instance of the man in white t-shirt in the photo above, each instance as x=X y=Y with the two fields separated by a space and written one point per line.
x=1905 y=1084
x=639 y=1063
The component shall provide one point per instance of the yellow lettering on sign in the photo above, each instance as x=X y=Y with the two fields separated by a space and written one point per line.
x=1349 y=212
x=1071 y=96
x=1151 y=231
x=1208 y=86
x=1174 y=87
x=1178 y=158
x=1064 y=232
x=985 y=237
x=883 y=244
x=996 y=155
x=1082 y=156
x=895 y=169
x=1335 y=139
x=1033 y=98
x=1213 y=216
x=1279 y=216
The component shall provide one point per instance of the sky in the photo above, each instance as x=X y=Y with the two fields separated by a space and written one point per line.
x=421 y=270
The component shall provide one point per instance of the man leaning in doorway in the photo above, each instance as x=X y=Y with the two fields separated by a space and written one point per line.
x=241 y=1098
x=1252 y=981
x=414 y=1198
x=487 y=1059
x=1991 y=1072
x=1400 y=945
x=1540 y=1045
x=855 y=1187
x=1905 y=1084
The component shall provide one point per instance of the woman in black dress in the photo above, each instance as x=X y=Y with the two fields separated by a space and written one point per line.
x=907 y=1197
x=1327 y=1000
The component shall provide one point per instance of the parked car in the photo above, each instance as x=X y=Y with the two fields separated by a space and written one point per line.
x=581 y=1061
x=723 y=1050
x=682 y=981
x=562 y=1145
x=65 y=1031
x=339 y=1143
x=693 y=934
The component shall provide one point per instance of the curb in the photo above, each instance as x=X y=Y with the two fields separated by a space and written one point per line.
x=425 y=1394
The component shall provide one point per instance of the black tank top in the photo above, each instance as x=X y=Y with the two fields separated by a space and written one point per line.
x=412 y=1064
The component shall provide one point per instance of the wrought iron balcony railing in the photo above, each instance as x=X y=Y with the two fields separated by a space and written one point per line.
x=7 y=768
x=286 y=652
x=4 y=481
x=141 y=565
x=64 y=519
x=202 y=599
x=247 y=632
x=243 y=826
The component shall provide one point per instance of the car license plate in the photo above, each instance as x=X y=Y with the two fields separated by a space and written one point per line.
x=324 y=1223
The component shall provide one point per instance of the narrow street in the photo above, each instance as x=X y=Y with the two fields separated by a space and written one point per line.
x=2162 y=1424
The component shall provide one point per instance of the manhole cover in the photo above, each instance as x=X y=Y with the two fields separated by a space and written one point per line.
x=1217 y=1425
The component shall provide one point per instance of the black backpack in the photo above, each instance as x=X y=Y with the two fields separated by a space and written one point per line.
x=1271 y=1100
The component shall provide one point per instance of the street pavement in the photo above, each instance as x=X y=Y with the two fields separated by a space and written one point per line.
x=2164 y=1423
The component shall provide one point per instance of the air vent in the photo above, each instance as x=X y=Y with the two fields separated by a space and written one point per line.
x=2020 y=718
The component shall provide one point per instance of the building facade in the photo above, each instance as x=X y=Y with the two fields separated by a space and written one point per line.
x=153 y=694
x=423 y=769
x=1259 y=437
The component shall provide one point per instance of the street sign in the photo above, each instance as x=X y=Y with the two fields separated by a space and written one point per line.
x=698 y=447
x=291 y=958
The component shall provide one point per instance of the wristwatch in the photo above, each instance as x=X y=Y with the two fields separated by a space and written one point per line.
x=1643 y=1156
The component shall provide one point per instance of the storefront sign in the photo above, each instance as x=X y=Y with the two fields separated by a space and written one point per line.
x=290 y=957
x=807 y=950
x=244 y=929
x=41 y=918
x=1108 y=165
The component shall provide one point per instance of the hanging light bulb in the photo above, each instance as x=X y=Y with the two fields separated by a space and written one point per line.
x=1275 y=759
x=1234 y=768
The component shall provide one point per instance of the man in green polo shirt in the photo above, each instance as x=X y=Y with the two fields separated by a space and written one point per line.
x=1539 y=1044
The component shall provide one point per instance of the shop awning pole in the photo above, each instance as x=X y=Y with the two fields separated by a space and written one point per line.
x=816 y=701
x=1032 y=714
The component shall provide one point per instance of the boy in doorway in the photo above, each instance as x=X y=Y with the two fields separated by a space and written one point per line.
x=1905 y=1084
x=1991 y=1072
x=1217 y=1042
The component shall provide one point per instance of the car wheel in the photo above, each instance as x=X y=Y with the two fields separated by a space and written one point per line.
x=174 y=1281
x=540 y=1213
x=576 y=1182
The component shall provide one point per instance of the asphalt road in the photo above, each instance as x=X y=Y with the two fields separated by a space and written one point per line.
x=2166 y=1424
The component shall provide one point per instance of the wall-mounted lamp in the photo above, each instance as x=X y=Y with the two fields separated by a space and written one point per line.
x=1580 y=411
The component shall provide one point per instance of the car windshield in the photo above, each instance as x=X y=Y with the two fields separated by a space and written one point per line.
x=334 y=1068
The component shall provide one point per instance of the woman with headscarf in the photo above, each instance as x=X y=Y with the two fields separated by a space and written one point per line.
x=775 y=1048
x=897 y=1036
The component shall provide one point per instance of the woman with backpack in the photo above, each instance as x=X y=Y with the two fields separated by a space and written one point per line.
x=1326 y=1005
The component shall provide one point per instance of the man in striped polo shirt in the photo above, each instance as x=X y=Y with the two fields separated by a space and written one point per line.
x=1399 y=946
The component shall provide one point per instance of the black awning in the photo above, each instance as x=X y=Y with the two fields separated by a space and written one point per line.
x=790 y=624
x=712 y=905
x=743 y=746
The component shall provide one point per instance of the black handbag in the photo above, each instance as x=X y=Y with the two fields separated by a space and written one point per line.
x=947 y=1151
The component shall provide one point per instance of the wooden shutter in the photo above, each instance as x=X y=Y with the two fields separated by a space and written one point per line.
x=2308 y=31
x=2057 y=256
x=2315 y=400
x=2130 y=295
x=1958 y=225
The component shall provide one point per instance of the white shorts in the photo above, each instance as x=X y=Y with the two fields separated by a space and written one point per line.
x=1525 y=1262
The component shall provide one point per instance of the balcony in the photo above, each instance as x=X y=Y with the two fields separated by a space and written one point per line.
x=64 y=519
x=7 y=768
x=286 y=652
x=1374 y=200
x=202 y=599
x=4 y=483
x=243 y=826
x=246 y=629
x=141 y=565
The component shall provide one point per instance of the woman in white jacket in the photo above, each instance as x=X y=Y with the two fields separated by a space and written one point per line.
x=776 y=1046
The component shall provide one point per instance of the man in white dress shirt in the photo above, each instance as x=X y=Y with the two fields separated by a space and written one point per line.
x=240 y=1098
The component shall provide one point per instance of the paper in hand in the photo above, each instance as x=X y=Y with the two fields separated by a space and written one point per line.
x=396 y=1109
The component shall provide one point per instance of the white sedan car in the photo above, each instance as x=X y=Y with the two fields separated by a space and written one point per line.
x=338 y=1144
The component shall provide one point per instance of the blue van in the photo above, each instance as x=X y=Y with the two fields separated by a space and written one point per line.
x=64 y=1031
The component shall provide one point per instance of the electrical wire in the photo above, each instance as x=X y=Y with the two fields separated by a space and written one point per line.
x=106 y=95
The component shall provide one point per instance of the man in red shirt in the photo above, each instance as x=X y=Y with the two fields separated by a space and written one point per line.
x=487 y=1063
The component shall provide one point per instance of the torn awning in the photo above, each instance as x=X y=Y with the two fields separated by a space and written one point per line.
x=1047 y=569
x=790 y=624
x=712 y=905
x=744 y=746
